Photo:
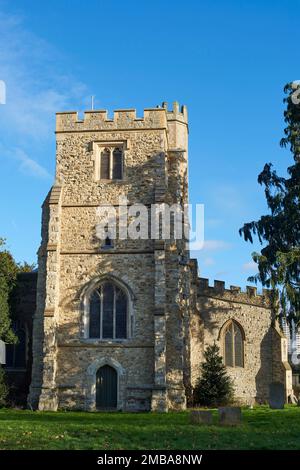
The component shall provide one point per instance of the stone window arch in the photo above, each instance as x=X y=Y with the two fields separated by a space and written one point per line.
x=108 y=314
x=233 y=338
x=90 y=382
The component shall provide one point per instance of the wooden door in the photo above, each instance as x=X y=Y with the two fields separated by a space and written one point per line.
x=106 y=388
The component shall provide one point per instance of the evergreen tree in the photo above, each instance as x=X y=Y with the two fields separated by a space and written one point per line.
x=214 y=387
x=279 y=260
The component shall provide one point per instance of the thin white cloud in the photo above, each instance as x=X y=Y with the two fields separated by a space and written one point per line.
x=37 y=86
x=250 y=266
x=208 y=261
x=30 y=166
x=26 y=164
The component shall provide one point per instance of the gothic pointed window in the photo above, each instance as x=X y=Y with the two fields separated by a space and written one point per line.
x=105 y=164
x=233 y=344
x=117 y=164
x=108 y=312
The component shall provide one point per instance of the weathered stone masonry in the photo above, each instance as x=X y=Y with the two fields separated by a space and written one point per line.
x=265 y=355
x=173 y=314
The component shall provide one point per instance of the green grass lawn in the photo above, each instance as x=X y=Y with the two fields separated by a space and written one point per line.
x=262 y=428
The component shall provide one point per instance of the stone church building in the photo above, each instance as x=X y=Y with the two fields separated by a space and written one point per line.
x=123 y=323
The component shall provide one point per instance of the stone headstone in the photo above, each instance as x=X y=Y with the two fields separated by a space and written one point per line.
x=201 y=417
x=2 y=352
x=293 y=399
x=276 y=396
x=230 y=415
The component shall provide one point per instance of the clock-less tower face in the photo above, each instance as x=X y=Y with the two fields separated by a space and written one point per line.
x=111 y=312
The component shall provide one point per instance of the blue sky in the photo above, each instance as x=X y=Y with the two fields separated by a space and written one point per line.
x=226 y=60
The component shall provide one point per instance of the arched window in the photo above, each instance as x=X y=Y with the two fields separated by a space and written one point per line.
x=233 y=344
x=105 y=164
x=108 y=312
x=117 y=164
x=16 y=354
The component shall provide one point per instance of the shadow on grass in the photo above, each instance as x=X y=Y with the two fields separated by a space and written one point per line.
x=262 y=428
x=112 y=418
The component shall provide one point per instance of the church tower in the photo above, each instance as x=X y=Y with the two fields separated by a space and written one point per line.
x=112 y=322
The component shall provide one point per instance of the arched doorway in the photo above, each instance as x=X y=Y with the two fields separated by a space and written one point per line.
x=106 y=388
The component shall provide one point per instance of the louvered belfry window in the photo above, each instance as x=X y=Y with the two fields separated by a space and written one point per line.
x=105 y=160
x=111 y=163
x=117 y=164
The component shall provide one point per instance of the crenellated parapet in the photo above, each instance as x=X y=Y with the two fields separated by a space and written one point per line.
x=234 y=293
x=154 y=118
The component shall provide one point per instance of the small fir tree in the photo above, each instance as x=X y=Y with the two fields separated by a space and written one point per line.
x=214 y=387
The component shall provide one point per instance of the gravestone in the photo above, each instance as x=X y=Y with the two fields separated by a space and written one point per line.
x=276 y=396
x=201 y=417
x=293 y=399
x=2 y=352
x=230 y=415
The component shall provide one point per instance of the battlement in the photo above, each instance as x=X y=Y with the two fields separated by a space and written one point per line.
x=158 y=117
x=234 y=293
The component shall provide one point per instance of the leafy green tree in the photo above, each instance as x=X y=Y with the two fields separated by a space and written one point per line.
x=3 y=388
x=214 y=387
x=8 y=275
x=279 y=260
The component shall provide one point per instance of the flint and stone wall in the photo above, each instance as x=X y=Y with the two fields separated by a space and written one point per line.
x=265 y=359
x=150 y=363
